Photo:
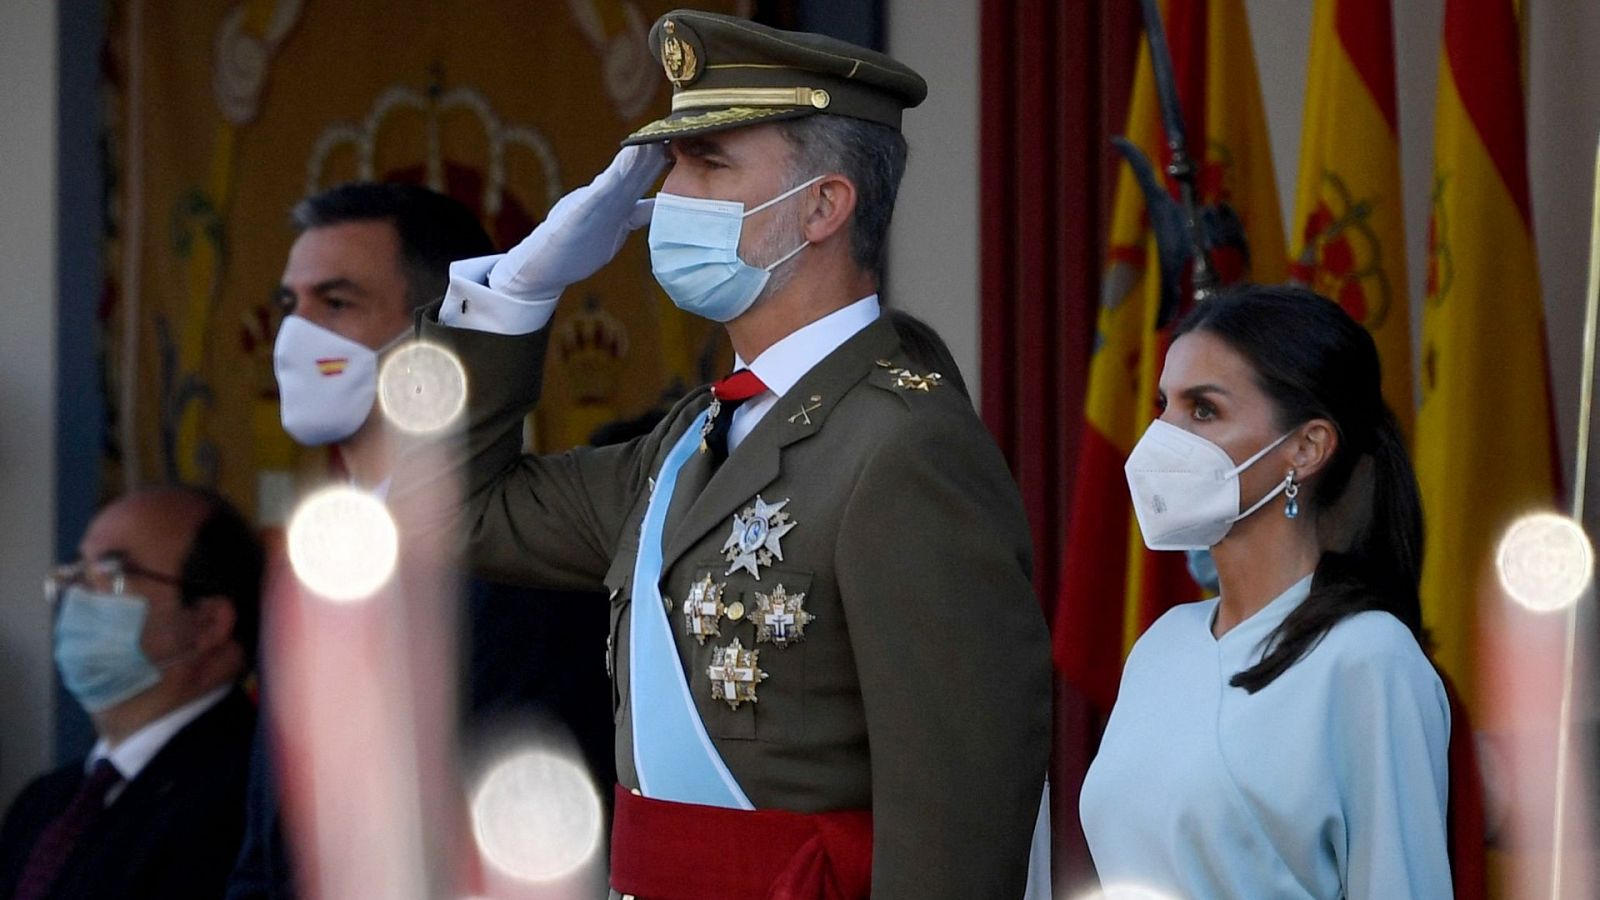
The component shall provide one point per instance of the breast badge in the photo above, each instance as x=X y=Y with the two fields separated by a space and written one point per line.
x=703 y=608
x=781 y=617
x=757 y=537
x=734 y=674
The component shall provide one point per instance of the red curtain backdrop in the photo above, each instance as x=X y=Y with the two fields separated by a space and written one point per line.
x=1055 y=83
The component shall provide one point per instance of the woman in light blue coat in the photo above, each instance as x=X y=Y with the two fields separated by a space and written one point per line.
x=1288 y=739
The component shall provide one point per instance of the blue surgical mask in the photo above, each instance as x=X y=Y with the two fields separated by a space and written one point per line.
x=97 y=647
x=1203 y=569
x=694 y=253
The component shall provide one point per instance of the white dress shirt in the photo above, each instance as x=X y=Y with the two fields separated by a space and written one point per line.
x=781 y=366
x=137 y=749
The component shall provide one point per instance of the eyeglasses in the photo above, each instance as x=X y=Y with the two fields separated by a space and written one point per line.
x=111 y=571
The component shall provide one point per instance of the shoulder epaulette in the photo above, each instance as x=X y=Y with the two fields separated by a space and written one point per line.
x=900 y=378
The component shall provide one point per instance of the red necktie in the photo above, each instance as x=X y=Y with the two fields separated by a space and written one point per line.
x=56 y=843
x=731 y=393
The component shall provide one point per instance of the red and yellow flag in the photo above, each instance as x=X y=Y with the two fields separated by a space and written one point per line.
x=1348 y=239
x=1484 y=451
x=1112 y=588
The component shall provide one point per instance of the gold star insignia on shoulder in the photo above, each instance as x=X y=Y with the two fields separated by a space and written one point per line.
x=907 y=380
x=781 y=617
x=703 y=608
x=734 y=674
x=757 y=537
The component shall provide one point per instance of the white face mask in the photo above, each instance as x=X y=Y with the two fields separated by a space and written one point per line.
x=327 y=383
x=1186 y=489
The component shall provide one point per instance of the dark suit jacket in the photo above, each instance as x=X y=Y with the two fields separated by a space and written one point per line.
x=529 y=653
x=172 y=833
x=922 y=688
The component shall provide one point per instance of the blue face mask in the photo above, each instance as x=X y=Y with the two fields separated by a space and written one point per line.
x=97 y=648
x=694 y=253
x=1203 y=569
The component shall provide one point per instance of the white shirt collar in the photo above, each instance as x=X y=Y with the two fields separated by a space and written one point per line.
x=783 y=364
x=137 y=749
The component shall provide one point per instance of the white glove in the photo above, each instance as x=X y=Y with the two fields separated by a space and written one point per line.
x=584 y=230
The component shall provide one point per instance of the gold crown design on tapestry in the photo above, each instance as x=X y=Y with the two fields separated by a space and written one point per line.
x=590 y=348
x=443 y=126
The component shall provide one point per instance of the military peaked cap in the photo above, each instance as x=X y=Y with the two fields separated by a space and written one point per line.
x=728 y=72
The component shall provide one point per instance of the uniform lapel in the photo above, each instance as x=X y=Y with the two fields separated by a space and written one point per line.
x=693 y=479
x=758 y=460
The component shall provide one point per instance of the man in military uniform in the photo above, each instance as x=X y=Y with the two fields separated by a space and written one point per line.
x=831 y=674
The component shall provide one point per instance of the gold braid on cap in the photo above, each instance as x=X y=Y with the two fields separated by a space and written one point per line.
x=709 y=97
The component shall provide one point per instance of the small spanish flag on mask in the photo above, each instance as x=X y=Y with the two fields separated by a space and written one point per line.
x=333 y=365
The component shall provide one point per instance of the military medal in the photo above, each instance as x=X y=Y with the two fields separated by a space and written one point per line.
x=756 y=538
x=781 y=617
x=711 y=423
x=703 y=608
x=734 y=674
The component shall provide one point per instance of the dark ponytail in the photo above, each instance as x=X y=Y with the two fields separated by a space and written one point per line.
x=1314 y=361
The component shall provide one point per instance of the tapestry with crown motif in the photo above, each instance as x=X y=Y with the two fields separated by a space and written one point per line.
x=223 y=115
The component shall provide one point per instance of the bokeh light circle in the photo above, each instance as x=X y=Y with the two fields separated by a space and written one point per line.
x=536 y=816
x=1127 y=891
x=343 y=543
x=422 y=388
x=1545 y=562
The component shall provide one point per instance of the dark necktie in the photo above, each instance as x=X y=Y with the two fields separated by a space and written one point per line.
x=55 y=845
x=730 y=394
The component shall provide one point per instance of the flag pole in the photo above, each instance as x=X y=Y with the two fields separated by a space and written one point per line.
x=1591 y=319
x=1179 y=166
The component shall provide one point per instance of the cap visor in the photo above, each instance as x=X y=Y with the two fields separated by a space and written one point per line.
x=689 y=123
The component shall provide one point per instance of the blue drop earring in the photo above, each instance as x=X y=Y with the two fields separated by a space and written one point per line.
x=1291 y=509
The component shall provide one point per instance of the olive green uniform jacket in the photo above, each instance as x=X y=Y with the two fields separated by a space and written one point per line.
x=922 y=687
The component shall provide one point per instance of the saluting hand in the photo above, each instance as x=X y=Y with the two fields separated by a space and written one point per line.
x=584 y=229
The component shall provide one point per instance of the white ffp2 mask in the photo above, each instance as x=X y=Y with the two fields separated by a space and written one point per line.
x=1186 y=489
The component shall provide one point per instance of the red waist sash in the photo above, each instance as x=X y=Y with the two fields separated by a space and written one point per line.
x=662 y=850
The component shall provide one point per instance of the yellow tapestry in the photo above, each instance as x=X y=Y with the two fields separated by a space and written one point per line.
x=223 y=116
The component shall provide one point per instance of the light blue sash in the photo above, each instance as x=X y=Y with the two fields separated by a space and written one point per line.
x=672 y=753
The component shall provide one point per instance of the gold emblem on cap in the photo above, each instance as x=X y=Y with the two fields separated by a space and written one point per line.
x=677 y=57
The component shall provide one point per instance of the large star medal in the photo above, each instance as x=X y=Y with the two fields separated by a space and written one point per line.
x=781 y=617
x=756 y=538
x=703 y=608
x=734 y=674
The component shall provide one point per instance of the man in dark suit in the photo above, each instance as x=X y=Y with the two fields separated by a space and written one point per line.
x=366 y=256
x=154 y=627
x=831 y=677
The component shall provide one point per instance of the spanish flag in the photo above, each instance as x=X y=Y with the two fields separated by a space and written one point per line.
x=1348 y=239
x=1484 y=451
x=330 y=366
x=1112 y=588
